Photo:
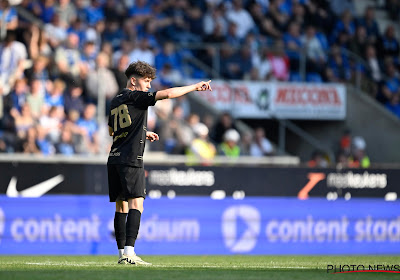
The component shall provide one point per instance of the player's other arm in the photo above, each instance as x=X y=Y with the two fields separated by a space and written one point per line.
x=110 y=131
x=179 y=91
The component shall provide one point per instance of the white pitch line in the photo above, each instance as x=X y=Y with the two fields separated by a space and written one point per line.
x=105 y=264
x=88 y=264
x=69 y=264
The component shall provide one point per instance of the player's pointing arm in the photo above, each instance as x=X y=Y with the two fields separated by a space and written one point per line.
x=179 y=91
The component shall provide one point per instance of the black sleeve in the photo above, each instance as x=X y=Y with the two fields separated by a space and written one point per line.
x=143 y=99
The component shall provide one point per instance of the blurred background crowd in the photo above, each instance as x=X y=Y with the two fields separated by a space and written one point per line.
x=57 y=56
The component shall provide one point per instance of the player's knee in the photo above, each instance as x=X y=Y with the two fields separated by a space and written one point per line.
x=121 y=207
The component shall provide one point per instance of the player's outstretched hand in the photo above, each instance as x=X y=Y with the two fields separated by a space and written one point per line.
x=202 y=86
x=152 y=136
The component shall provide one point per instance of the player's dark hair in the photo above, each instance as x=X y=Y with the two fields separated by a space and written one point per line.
x=140 y=69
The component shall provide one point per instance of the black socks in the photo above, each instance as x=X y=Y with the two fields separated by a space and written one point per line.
x=120 y=229
x=132 y=227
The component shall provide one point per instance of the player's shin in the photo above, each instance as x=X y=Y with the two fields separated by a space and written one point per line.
x=120 y=231
x=132 y=230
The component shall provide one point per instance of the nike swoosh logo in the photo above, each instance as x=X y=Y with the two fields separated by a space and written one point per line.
x=34 y=191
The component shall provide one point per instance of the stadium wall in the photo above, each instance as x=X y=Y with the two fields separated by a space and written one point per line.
x=33 y=179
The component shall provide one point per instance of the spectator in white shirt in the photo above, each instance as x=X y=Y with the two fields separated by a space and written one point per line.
x=314 y=51
x=13 y=56
x=143 y=52
x=241 y=18
x=261 y=146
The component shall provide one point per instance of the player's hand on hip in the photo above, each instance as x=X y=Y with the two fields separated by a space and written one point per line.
x=152 y=136
x=202 y=86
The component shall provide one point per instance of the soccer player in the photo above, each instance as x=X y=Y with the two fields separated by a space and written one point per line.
x=126 y=177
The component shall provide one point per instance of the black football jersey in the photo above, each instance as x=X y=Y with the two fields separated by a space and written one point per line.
x=128 y=119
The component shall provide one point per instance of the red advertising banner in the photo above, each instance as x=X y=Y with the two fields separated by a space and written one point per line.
x=245 y=99
x=308 y=101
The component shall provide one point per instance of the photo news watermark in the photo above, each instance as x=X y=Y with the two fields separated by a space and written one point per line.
x=349 y=268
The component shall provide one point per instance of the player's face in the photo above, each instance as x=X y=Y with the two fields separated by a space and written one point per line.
x=143 y=84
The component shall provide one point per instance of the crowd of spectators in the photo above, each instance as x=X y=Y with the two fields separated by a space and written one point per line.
x=351 y=152
x=53 y=69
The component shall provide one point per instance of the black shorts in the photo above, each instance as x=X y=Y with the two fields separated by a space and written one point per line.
x=125 y=182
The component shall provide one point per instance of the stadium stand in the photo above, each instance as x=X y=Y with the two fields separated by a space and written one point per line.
x=57 y=57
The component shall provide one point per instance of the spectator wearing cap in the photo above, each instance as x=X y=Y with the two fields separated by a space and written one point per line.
x=224 y=123
x=359 y=157
x=230 y=146
x=201 y=149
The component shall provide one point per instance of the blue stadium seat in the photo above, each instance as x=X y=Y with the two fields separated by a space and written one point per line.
x=295 y=77
x=313 y=77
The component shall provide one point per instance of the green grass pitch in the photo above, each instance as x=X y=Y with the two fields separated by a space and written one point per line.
x=189 y=267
